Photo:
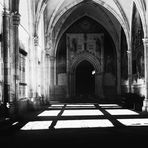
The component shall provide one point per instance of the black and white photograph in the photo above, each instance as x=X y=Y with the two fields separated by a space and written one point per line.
x=73 y=73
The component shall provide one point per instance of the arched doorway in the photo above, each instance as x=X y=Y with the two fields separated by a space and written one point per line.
x=92 y=45
x=85 y=79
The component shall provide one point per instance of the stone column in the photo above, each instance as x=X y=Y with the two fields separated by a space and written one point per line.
x=118 y=74
x=36 y=43
x=47 y=75
x=129 y=54
x=72 y=87
x=98 y=84
x=15 y=42
x=145 y=102
x=68 y=84
x=6 y=58
x=52 y=61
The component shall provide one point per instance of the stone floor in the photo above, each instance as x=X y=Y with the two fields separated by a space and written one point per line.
x=77 y=125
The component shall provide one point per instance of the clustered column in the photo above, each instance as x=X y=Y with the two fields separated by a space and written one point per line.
x=52 y=62
x=6 y=50
x=36 y=43
x=129 y=54
x=145 y=103
x=15 y=48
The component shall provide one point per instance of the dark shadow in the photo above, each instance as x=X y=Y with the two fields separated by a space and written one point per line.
x=85 y=80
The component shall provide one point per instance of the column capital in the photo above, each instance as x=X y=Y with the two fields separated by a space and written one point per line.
x=47 y=51
x=16 y=19
x=6 y=12
x=145 y=41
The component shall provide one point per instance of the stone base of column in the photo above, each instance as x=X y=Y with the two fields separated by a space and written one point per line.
x=145 y=105
x=51 y=95
x=13 y=110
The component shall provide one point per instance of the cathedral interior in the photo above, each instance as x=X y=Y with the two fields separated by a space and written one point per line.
x=73 y=71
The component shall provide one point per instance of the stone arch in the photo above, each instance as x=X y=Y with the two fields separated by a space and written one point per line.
x=140 y=5
x=88 y=57
x=121 y=20
x=114 y=37
x=96 y=63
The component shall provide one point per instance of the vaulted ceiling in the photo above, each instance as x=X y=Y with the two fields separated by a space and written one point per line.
x=111 y=13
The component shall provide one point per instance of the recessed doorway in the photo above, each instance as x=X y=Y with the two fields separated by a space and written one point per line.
x=85 y=79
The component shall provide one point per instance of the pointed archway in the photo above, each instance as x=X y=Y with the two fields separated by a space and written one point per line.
x=85 y=79
x=91 y=69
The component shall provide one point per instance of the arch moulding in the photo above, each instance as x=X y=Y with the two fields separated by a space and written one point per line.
x=98 y=66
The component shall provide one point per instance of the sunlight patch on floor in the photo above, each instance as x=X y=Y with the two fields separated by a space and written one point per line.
x=80 y=106
x=109 y=106
x=83 y=112
x=121 y=112
x=134 y=122
x=37 y=125
x=83 y=123
x=56 y=106
x=50 y=113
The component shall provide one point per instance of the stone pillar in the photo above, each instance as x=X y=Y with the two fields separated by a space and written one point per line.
x=72 y=87
x=129 y=54
x=98 y=84
x=6 y=58
x=145 y=102
x=47 y=75
x=68 y=84
x=15 y=42
x=118 y=74
x=52 y=61
x=36 y=43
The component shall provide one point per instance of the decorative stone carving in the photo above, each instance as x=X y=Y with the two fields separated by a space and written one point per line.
x=36 y=40
x=16 y=19
x=84 y=47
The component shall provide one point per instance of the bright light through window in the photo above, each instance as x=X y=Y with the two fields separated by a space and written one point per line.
x=37 y=125
x=134 y=122
x=93 y=112
x=121 y=112
x=50 y=113
x=83 y=123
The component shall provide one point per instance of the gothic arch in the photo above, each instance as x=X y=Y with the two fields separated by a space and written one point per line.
x=124 y=23
x=96 y=63
x=114 y=36
x=88 y=57
x=140 y=5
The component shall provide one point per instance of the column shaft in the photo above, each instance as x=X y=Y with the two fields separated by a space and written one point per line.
x=52 y=60
x=6 y=58
x=36 y=42
x=15 y=48
x=145 y=103
x=129 y=70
